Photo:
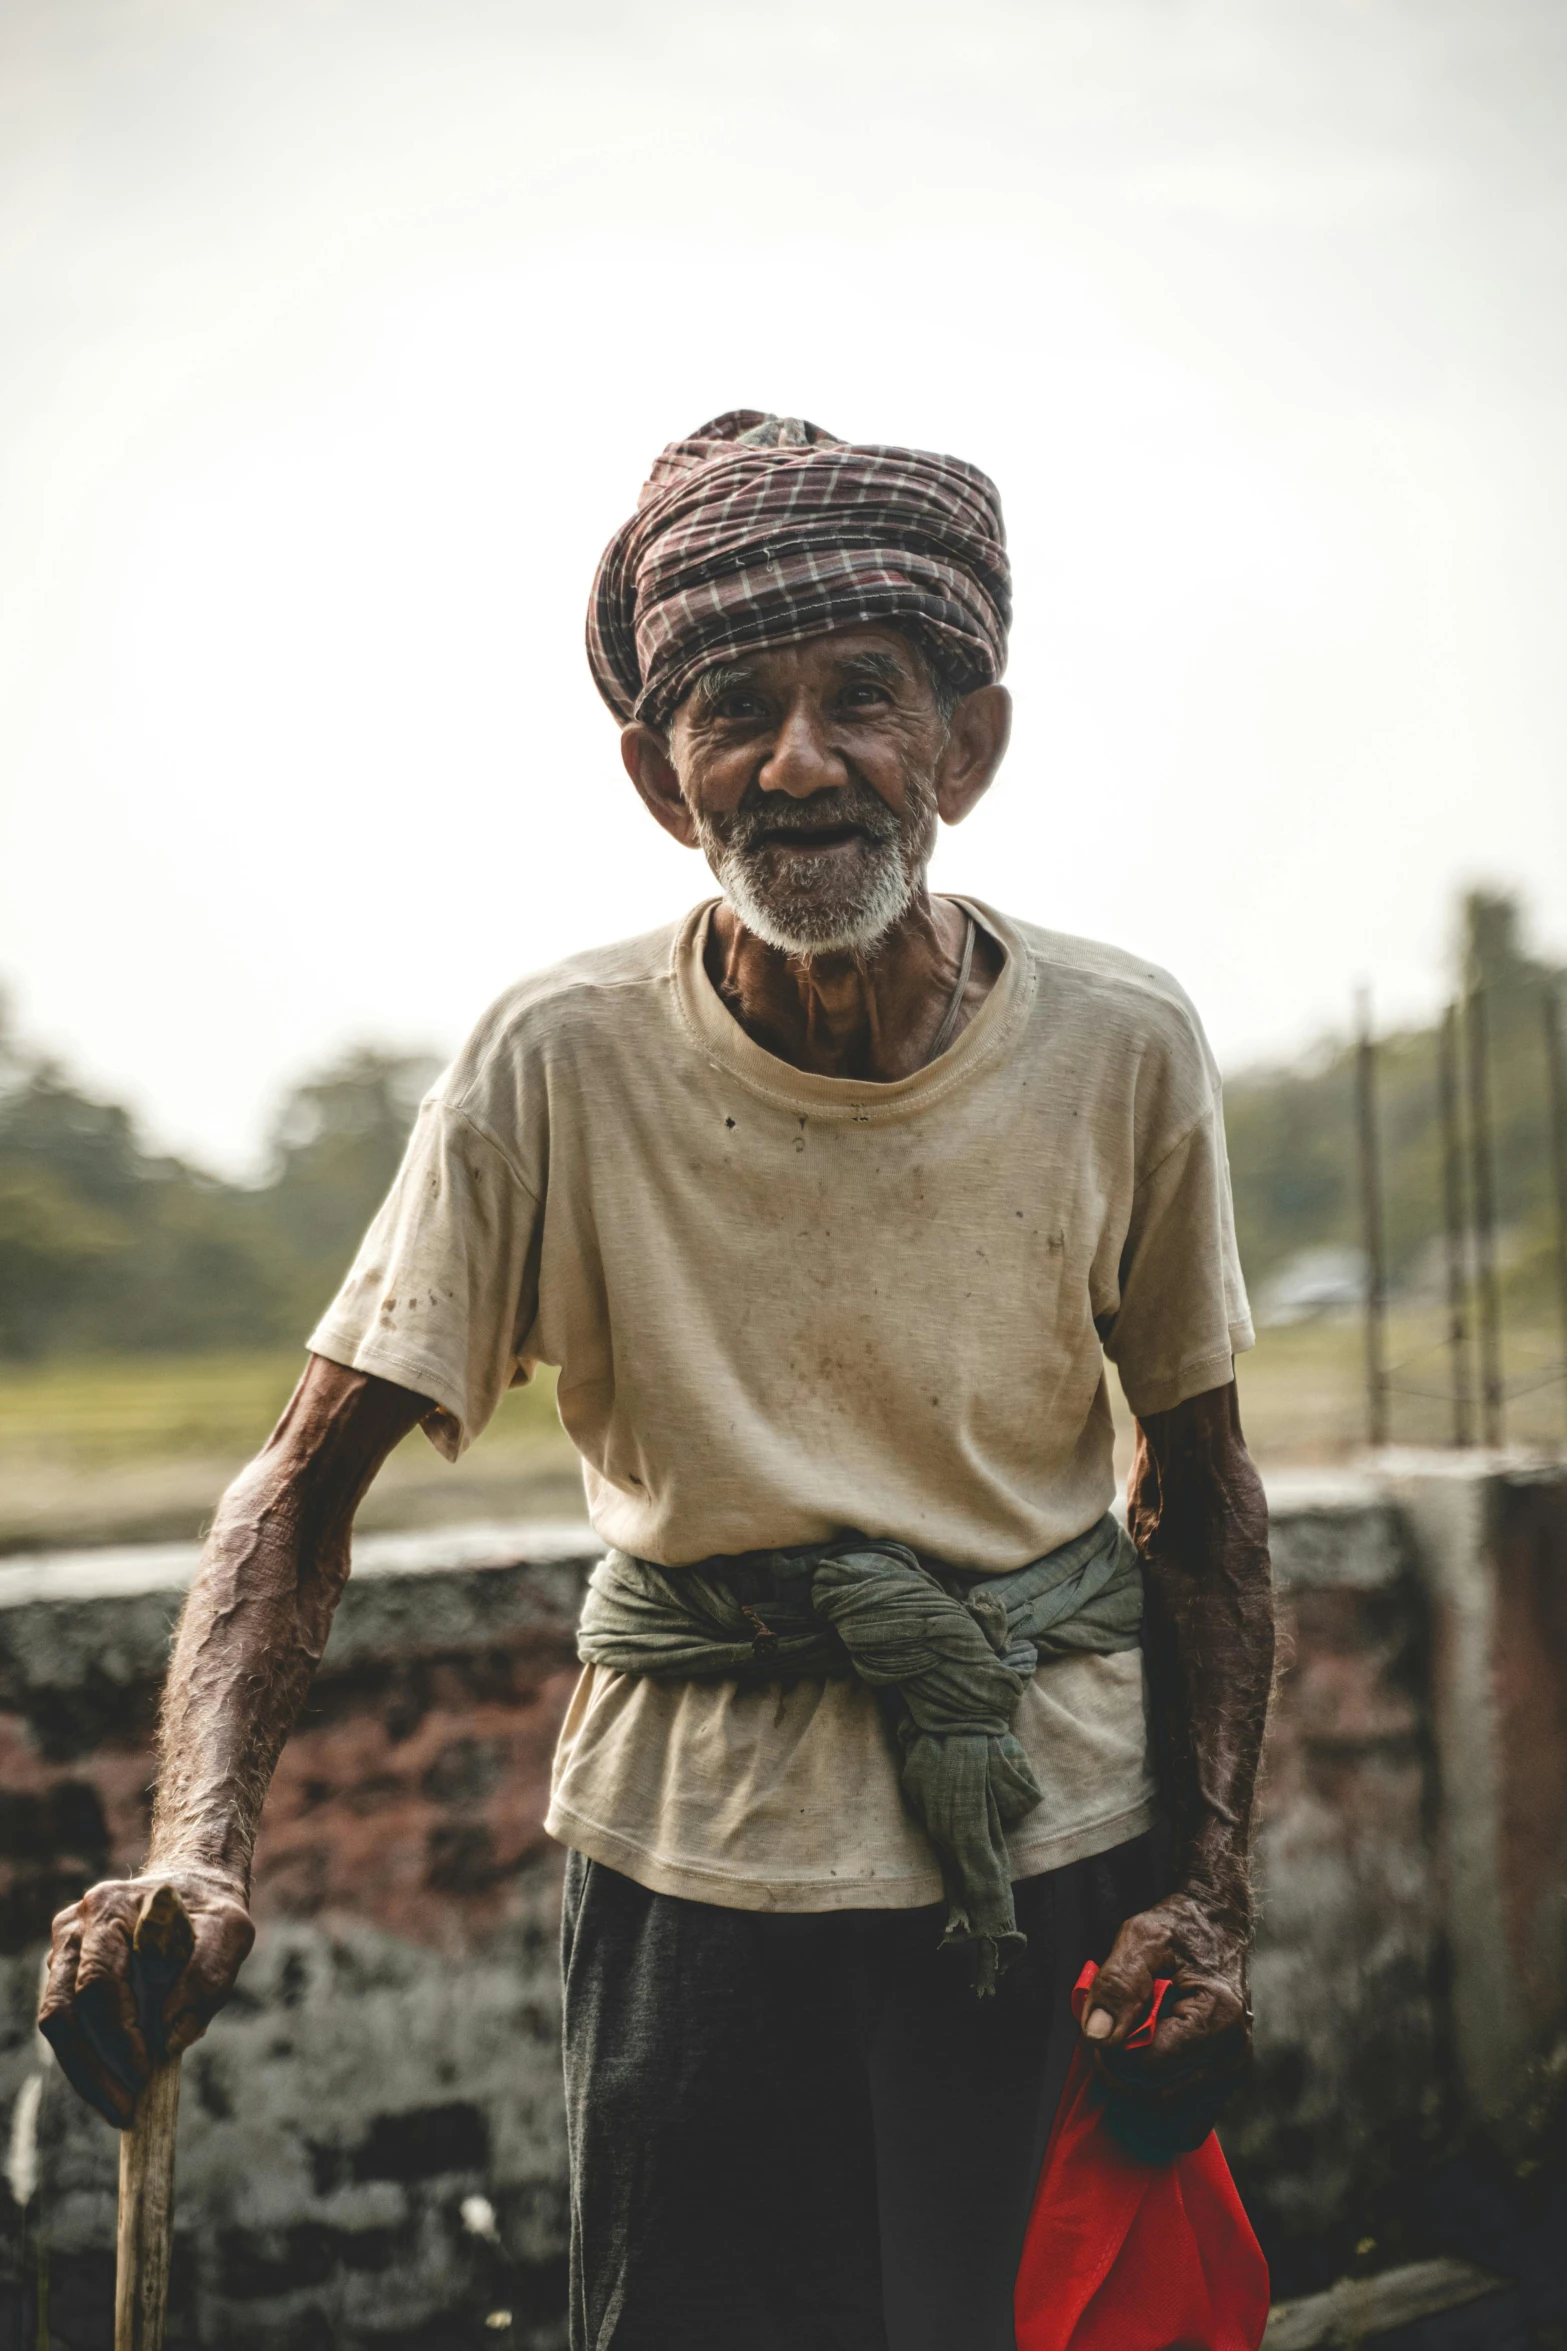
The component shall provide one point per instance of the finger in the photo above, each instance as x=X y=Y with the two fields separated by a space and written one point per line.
x=65 y=1949
x=1122 y=1994
x=61 y=2026
x=1198 y=2014
x=1199 y=2061
x=224 y=1937
x=57 y=2021
x=162 y=1944
x=105 y=1999
x=81 y=2068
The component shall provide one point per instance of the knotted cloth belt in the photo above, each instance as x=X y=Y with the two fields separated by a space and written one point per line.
x=955 y=1652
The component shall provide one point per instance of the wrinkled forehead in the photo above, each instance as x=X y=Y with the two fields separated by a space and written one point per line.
x=867 y=650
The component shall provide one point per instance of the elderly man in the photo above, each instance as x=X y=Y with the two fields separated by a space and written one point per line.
x=828 y=1202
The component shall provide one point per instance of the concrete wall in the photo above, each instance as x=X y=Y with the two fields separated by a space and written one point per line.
x=392 y=2054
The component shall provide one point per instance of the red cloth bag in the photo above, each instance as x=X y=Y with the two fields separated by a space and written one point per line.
x=1123 y=2255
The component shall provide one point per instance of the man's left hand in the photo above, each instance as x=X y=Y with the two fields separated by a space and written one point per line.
x=1202 y=2043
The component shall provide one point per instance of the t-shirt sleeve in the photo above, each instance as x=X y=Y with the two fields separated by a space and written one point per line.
x=1181 y=1317
x=445 y=1283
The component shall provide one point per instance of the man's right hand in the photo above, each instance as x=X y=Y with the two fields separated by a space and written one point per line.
x=108 y=2041
x=253 y=1628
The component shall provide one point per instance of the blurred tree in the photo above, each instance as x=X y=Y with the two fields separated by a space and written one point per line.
x=51 y=1248
x=50 y=1129
x=336 y=1145
x=105 y=1246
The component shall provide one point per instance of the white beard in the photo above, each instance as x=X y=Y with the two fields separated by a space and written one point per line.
x=844 y=924
x=794 y=910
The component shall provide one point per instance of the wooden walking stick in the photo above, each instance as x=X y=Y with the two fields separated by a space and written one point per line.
x=161 y=1945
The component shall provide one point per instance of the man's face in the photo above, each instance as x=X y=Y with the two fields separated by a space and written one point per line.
x=810 y=774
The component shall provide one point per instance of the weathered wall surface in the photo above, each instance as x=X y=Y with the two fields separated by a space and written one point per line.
x=1410 y=1980
x=1350 y=2090
x=392 y=2053
x=393 y=2049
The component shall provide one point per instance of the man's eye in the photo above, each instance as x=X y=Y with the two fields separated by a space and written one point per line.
x=865 y=697
x=740 y=706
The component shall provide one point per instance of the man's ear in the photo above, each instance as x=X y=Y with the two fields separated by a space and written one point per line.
x=976 y=745
x=645 y=756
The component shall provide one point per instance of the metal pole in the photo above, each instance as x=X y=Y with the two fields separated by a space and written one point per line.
x=1556 y=1065
x=1371 y=1225
x=1453 y=1209
x=1490 y=1314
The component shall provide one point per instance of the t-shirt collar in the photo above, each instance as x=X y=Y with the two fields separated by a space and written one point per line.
x=714 y=1029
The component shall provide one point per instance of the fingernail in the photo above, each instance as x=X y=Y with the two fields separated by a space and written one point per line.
x=1100 y=2025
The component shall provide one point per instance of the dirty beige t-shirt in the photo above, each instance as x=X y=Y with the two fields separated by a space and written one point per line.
x=785 y=1305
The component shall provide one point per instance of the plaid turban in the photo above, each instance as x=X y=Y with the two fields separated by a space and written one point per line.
x=762 y=530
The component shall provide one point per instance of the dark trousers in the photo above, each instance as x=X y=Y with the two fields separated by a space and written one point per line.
x=806 y=2133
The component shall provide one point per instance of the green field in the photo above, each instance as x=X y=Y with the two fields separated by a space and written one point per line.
x=139 y=1448
x=1303 y=1388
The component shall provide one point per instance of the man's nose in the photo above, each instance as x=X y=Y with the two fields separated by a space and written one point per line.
x=802 y=760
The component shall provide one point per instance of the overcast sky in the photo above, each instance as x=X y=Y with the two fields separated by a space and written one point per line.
x=337 y=335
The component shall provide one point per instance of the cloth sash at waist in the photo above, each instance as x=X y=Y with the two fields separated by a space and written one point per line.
x=954 y=1651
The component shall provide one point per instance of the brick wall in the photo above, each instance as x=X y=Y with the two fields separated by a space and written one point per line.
x=392 y=2051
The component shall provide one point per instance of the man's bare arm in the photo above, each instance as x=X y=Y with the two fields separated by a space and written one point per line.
x=1200 y=1520
x=250 y=1638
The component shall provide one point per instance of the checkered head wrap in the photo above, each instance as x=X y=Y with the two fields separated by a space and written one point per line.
x=763 y=530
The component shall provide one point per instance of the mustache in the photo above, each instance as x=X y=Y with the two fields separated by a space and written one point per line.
x=760 y=815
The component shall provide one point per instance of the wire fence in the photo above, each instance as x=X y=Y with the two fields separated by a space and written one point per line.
x=1477 y=1390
